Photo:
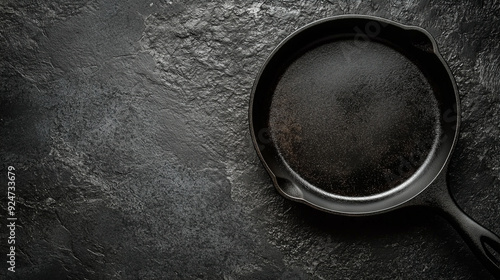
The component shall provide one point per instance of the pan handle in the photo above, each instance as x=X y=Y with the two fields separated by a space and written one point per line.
x=483 y=243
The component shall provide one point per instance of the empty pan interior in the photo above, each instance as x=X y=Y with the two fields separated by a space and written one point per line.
x=354 y=114
x=347 y=122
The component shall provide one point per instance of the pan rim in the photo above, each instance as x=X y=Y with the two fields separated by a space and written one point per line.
x=360 y=199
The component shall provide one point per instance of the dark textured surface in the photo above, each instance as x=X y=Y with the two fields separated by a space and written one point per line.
x=127 y=123
x=346 y=125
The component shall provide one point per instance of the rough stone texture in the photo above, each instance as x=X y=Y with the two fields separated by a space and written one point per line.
x=127 y=123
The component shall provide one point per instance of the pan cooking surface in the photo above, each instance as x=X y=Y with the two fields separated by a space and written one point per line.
x=353 y=118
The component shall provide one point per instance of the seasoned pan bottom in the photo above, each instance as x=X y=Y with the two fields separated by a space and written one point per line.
x=354 y=118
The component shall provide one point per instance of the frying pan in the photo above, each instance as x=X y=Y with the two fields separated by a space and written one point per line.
x=358 y=115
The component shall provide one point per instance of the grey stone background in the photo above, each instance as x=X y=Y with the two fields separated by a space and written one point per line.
x=127 y=124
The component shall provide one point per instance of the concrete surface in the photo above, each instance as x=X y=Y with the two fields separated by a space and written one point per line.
x=127 y=124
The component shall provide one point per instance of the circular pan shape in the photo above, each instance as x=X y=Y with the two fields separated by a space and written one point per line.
x=354 y=114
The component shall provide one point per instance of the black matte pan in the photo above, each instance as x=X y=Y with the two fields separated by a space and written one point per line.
x=358 y=115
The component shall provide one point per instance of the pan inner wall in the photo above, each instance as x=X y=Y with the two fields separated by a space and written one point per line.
x=354 y=118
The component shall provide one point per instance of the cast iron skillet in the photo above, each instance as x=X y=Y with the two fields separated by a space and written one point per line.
x=358 y=115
